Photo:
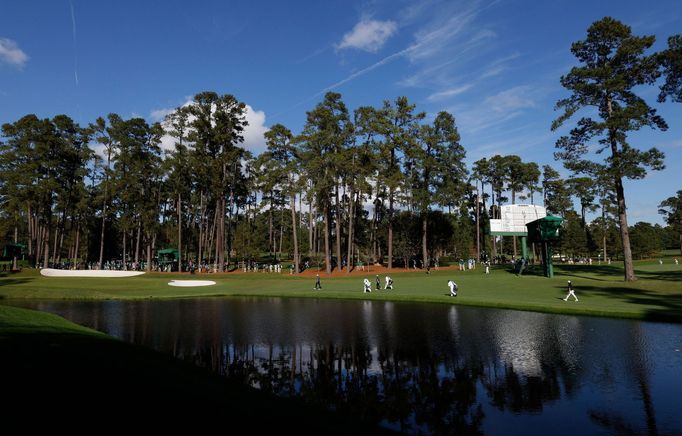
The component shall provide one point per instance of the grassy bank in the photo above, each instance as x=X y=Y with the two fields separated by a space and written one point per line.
x=58 y=375
x=656 y=295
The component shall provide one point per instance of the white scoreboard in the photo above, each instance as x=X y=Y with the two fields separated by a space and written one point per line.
x=515 y=217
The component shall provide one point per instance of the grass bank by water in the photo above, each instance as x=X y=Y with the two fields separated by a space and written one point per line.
x=57 y=375
x=657 y=295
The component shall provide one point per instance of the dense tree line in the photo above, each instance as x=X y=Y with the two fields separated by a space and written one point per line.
x=376 y=184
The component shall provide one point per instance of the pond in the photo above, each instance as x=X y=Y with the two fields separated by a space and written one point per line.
x=421 y=368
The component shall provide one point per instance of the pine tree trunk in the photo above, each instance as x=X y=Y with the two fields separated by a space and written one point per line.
x=221 y=230
x=179 y=232
x=76 y=248
x=327 y=257
x=603 y=219
x=271 y=229
x=54 y=244
x=425 y=252
x=148 y=265
x=104 y=209
x=281 y=234
x=124 y=250
x=390 y=230
x=351 y=218
x=311 y=244
x=46 y=247
x=228 y=238
x=137 y=241
x=38 y=232
x=478 y=225
x=200 y=246
x=16 y=240
x=514 y=237
x=294 y=232
x=337 y=218
x=629 y=269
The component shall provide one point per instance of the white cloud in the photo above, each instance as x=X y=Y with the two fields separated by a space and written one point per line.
x=441 y=95
x=159 y=114
x=511 y=99
x=254 y=140
x=11 y=53
x=369 y=35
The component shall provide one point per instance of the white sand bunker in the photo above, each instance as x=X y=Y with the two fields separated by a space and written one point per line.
x=49 y=272
x=191 y=283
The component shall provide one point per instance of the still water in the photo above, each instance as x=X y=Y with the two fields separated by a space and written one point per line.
x=422 y=368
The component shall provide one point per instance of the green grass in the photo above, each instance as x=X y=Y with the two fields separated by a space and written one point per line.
x=57 y=375
x=601 y=290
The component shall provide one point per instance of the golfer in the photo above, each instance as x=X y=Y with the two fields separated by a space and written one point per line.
x=571 y=292
x=368 y=285
x=378 y=283
x=389 y=283
x=453 y=288
x=318 y=285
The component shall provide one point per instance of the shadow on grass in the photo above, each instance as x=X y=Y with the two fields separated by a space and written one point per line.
x=13 y=281
x=674 y=276
x=659 y=307
x=606 y=273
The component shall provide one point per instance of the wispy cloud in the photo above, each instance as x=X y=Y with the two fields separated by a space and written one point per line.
x=498 y=66
x=309 y=56
x=369 y=35
x=75 y=51
x=671 y=144
x=449 y=92
x=519 y=97
x=10 y=53
x=423 y=40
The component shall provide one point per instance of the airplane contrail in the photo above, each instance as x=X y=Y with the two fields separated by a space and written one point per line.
x=75 y=53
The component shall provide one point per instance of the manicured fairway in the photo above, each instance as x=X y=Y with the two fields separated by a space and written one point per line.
x=601 y=290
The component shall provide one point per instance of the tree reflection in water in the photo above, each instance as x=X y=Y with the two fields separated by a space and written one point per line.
x=420 y=368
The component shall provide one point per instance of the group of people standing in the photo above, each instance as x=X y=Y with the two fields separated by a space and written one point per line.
x=368 y=285
x=452 y=286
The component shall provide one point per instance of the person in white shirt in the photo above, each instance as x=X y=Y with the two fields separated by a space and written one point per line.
x=389 y=283
x=571 y=292
x=453 y=288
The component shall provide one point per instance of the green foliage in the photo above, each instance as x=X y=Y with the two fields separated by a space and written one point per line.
x=671 y=209
x=646 y=240
x=613 y=64
x=671 y=63
x=573 y=236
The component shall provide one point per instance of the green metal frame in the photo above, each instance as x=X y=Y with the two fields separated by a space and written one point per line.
x=544 y=231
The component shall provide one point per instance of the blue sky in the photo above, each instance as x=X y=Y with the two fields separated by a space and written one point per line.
x=495 y=65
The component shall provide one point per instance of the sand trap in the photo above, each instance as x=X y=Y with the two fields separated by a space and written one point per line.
x=191 y=283
x=49 y=272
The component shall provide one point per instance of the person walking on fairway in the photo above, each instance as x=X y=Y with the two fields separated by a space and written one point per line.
x=318 y=285
x=378 y=283
x=389 y=283
x=453 y=288
x=571 y=291
x=368 y=285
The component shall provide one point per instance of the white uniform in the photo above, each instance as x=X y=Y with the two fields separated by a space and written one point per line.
x=368 y=286
x=389 y=283
x=571 y=292
x=453 y=288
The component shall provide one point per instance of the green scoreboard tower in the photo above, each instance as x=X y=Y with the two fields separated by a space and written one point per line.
x=544 y=231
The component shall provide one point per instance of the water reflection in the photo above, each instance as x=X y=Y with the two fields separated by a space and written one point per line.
x=421 y=368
